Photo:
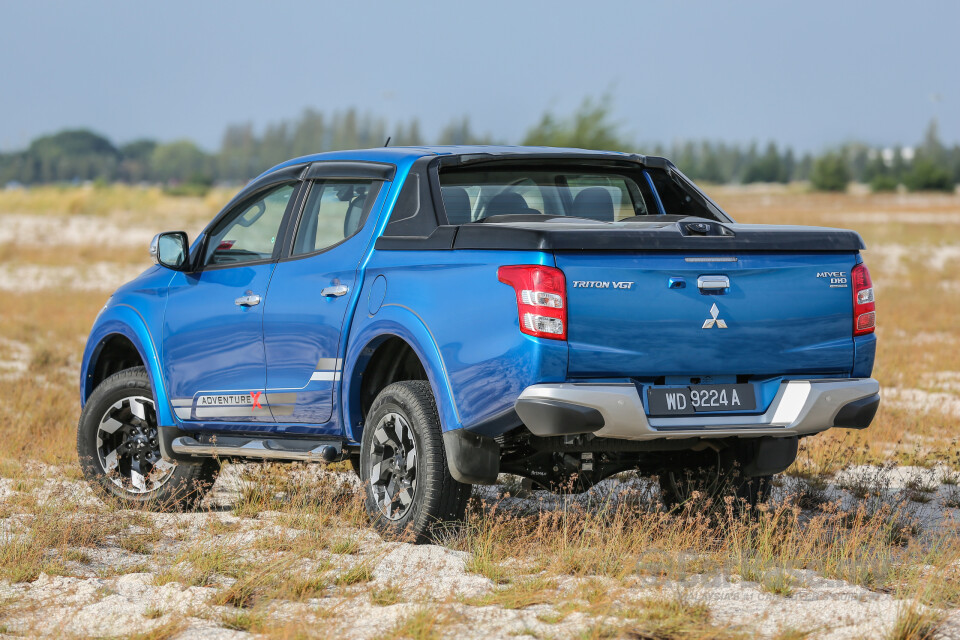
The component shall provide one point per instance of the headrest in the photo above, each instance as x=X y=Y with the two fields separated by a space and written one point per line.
x=456 y=202
x=508 y=203
x=594 y=203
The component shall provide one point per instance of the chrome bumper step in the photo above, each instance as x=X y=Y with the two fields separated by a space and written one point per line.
x=615 y=410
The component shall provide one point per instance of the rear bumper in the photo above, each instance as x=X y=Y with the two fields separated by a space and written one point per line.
x=800 y=407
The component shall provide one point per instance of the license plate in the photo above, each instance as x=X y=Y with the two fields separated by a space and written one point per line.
x=701 y=398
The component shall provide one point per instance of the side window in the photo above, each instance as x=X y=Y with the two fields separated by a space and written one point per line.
x=678 y=199
x=335 y=210
x=250 y=232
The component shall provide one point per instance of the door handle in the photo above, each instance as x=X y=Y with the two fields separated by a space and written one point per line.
x=334 y=291
x=247 y=301
x=713 y=282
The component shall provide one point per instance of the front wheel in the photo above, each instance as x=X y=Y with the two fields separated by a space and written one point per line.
x=409 y=490
x=119 y=451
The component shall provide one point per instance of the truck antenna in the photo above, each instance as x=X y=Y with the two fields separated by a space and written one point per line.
x=387 y=143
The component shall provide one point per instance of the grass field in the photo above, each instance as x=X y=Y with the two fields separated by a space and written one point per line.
x=861 y=539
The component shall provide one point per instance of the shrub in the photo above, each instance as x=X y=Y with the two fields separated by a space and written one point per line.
x=830 y=173
x=884 y=183
x=926 y=175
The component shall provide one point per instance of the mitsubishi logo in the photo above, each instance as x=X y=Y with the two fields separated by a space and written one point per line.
x=709 y=322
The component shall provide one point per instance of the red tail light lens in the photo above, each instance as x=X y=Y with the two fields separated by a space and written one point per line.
x=864 y=309
x=541 y=299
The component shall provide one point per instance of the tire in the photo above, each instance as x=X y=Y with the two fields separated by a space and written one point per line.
x=117 y=441
x=409 y=496
x=714 y=475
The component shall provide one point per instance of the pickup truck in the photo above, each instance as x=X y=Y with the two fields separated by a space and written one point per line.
x=440 y=315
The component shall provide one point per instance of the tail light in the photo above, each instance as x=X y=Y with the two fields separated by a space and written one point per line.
x=541 y=299
x=864 y=309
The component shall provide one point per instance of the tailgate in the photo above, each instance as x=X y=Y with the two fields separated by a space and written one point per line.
x=645 y=315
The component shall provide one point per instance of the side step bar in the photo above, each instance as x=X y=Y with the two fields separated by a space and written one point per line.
x=266 y=449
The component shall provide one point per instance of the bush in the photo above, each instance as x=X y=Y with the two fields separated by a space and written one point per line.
x=926 y=175
x=197 y=185
x=830 y=173
x=884 y=183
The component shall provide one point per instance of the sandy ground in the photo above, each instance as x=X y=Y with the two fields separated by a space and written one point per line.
x=97 y=276
x=82 y=231
x=97 y=602
x=113 y=593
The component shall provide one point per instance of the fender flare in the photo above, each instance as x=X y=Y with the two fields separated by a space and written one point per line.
x=396 y=320
x=123 y=319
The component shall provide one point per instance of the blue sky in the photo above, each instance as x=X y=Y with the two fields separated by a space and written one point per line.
x=808 y=74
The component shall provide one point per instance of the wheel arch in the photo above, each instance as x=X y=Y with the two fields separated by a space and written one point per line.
x=120 y=340
x=387 y=353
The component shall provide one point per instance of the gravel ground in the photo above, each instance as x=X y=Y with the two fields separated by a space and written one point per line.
x=113 y=593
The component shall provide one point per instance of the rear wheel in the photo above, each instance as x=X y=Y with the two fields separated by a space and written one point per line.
x=117 y=443
x=712 y=475
x=409 y=490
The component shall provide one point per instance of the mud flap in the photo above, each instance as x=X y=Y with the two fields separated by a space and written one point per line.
x=768 y=456
x=472 y=458
x=165 y=436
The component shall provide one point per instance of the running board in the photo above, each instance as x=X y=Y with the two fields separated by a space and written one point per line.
x=266 y=449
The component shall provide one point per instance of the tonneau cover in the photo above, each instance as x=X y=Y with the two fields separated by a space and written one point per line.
x=627 y=236
x=652 y=236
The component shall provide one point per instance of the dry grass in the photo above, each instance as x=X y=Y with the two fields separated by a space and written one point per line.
x=294 y=540
x=116 y=199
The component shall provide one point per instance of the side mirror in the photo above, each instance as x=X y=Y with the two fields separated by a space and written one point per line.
x=171 y=250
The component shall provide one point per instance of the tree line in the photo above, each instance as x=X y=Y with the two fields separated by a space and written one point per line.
x=81 y=155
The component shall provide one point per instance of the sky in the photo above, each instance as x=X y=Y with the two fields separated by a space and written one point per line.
x=807 y=74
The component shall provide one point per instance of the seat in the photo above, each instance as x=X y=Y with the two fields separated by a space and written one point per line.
x=351 y=221
x=594 y=203
x=508 y=203
x=456 y=202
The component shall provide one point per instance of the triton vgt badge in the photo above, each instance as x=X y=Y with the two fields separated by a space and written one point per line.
x=710 y=322
x=599 y=284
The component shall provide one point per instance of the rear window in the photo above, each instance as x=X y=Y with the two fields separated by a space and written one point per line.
x=604 y=195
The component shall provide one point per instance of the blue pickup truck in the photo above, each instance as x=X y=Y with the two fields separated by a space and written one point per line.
x=440 y=315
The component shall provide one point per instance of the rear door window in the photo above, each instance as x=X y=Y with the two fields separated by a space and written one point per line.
x=335 y=210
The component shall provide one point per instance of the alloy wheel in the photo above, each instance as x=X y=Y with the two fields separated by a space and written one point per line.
x=128 y=446
x=393 y=472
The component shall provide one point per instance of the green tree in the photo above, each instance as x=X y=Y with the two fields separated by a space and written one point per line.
x=928 y=175
x=589 y=127
x=765 y=168
x=829 y=173
x=931 y=147
x=406 y=136
x=309 y=133
x=459 y=131
x=898 y=167
x=238 y=159
x=858 y=156
x=788 y=166
x=710 y=166
x=955 y=162
x=180 y=161
x=76 y=154
x=135 y=160
x=804 y=167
